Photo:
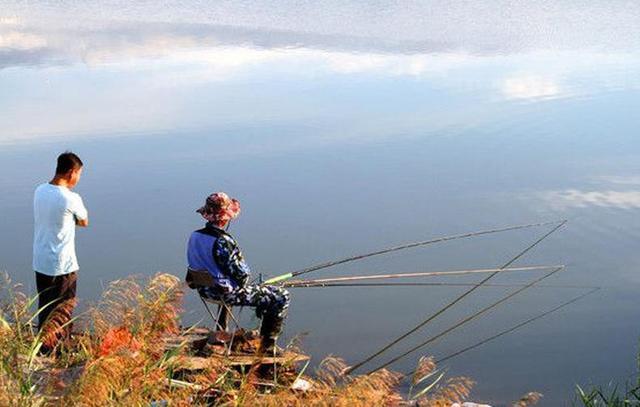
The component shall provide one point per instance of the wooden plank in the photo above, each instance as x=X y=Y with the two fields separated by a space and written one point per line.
x=248 y=360
x=200 y=363
x=193 y=363
x=194 y=340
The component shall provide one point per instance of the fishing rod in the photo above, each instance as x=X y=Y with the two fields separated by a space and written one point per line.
x=296 y=283
x=455 y=301
x=464 y=321
x=333 y=263
x=518 y=326
x=394 y=284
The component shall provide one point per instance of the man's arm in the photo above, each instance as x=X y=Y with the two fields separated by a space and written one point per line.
x=229 y=258
x=80 y=213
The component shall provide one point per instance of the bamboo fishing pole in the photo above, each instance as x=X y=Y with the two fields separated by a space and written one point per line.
x=464 y=321
x=518 y=326
x=296 y=283
x=455 y=301
x=415 y=284
x=333 y=263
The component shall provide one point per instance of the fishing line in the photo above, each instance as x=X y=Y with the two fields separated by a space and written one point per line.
x=452 y=303
x=328 y=264
x=463 y=321
x=520 y=325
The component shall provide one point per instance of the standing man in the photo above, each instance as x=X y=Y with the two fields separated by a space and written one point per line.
x=57 y=211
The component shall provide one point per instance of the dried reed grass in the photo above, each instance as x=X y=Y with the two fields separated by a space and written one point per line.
x=529 y=399
x=118 y=358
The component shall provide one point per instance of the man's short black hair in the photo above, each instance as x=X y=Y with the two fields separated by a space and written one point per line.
x=68 y=161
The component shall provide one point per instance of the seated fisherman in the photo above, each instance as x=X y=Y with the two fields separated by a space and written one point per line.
x=214 y=250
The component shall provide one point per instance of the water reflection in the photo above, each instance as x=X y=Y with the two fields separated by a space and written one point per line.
x=352 y=127
x=583 y=199
x=133 y=88
x=502 y=26
x=530 y=87
x=132 y=73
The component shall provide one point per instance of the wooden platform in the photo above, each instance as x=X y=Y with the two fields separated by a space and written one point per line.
x=193 y=363
x=206 y=348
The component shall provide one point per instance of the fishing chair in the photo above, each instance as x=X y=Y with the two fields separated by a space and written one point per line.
x=202 y=279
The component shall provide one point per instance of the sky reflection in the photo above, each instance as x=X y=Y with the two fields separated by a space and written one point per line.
x=119 y=68
x=414 y=119
x=150 y=77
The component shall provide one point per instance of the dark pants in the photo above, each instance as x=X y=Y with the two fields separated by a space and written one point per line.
x=56 y=298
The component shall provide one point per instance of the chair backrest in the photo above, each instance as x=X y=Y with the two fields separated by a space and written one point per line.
x=199 y=279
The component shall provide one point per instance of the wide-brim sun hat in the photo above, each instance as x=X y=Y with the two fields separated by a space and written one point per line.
x=219 y=209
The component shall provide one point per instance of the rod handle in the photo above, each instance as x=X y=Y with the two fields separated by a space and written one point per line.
x=277 y=279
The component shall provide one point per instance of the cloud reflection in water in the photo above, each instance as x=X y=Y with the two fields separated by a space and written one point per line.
x=135 y=68
x=574 y=198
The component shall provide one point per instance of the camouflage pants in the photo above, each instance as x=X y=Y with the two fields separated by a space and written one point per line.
x=271 y=303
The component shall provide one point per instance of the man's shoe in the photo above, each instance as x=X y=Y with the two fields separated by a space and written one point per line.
x=267 y=346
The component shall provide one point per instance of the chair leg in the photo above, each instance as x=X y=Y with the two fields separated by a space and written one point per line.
x=214 y=318
x=221 y=320
x=275 y=366
x=235 y=321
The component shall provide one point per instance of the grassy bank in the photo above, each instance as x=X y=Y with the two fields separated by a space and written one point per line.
x=117 y=356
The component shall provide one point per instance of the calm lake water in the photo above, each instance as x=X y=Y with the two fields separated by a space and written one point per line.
x=344 y=127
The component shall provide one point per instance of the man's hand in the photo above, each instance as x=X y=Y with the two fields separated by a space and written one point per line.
x=83 y=223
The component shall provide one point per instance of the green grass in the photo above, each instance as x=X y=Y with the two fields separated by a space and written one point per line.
x=611 y=395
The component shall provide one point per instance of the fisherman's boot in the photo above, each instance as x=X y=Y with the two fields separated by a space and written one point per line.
x=269 y=331
x=267 y=345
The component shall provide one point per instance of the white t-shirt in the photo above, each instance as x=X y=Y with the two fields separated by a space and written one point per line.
x=55 y=210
